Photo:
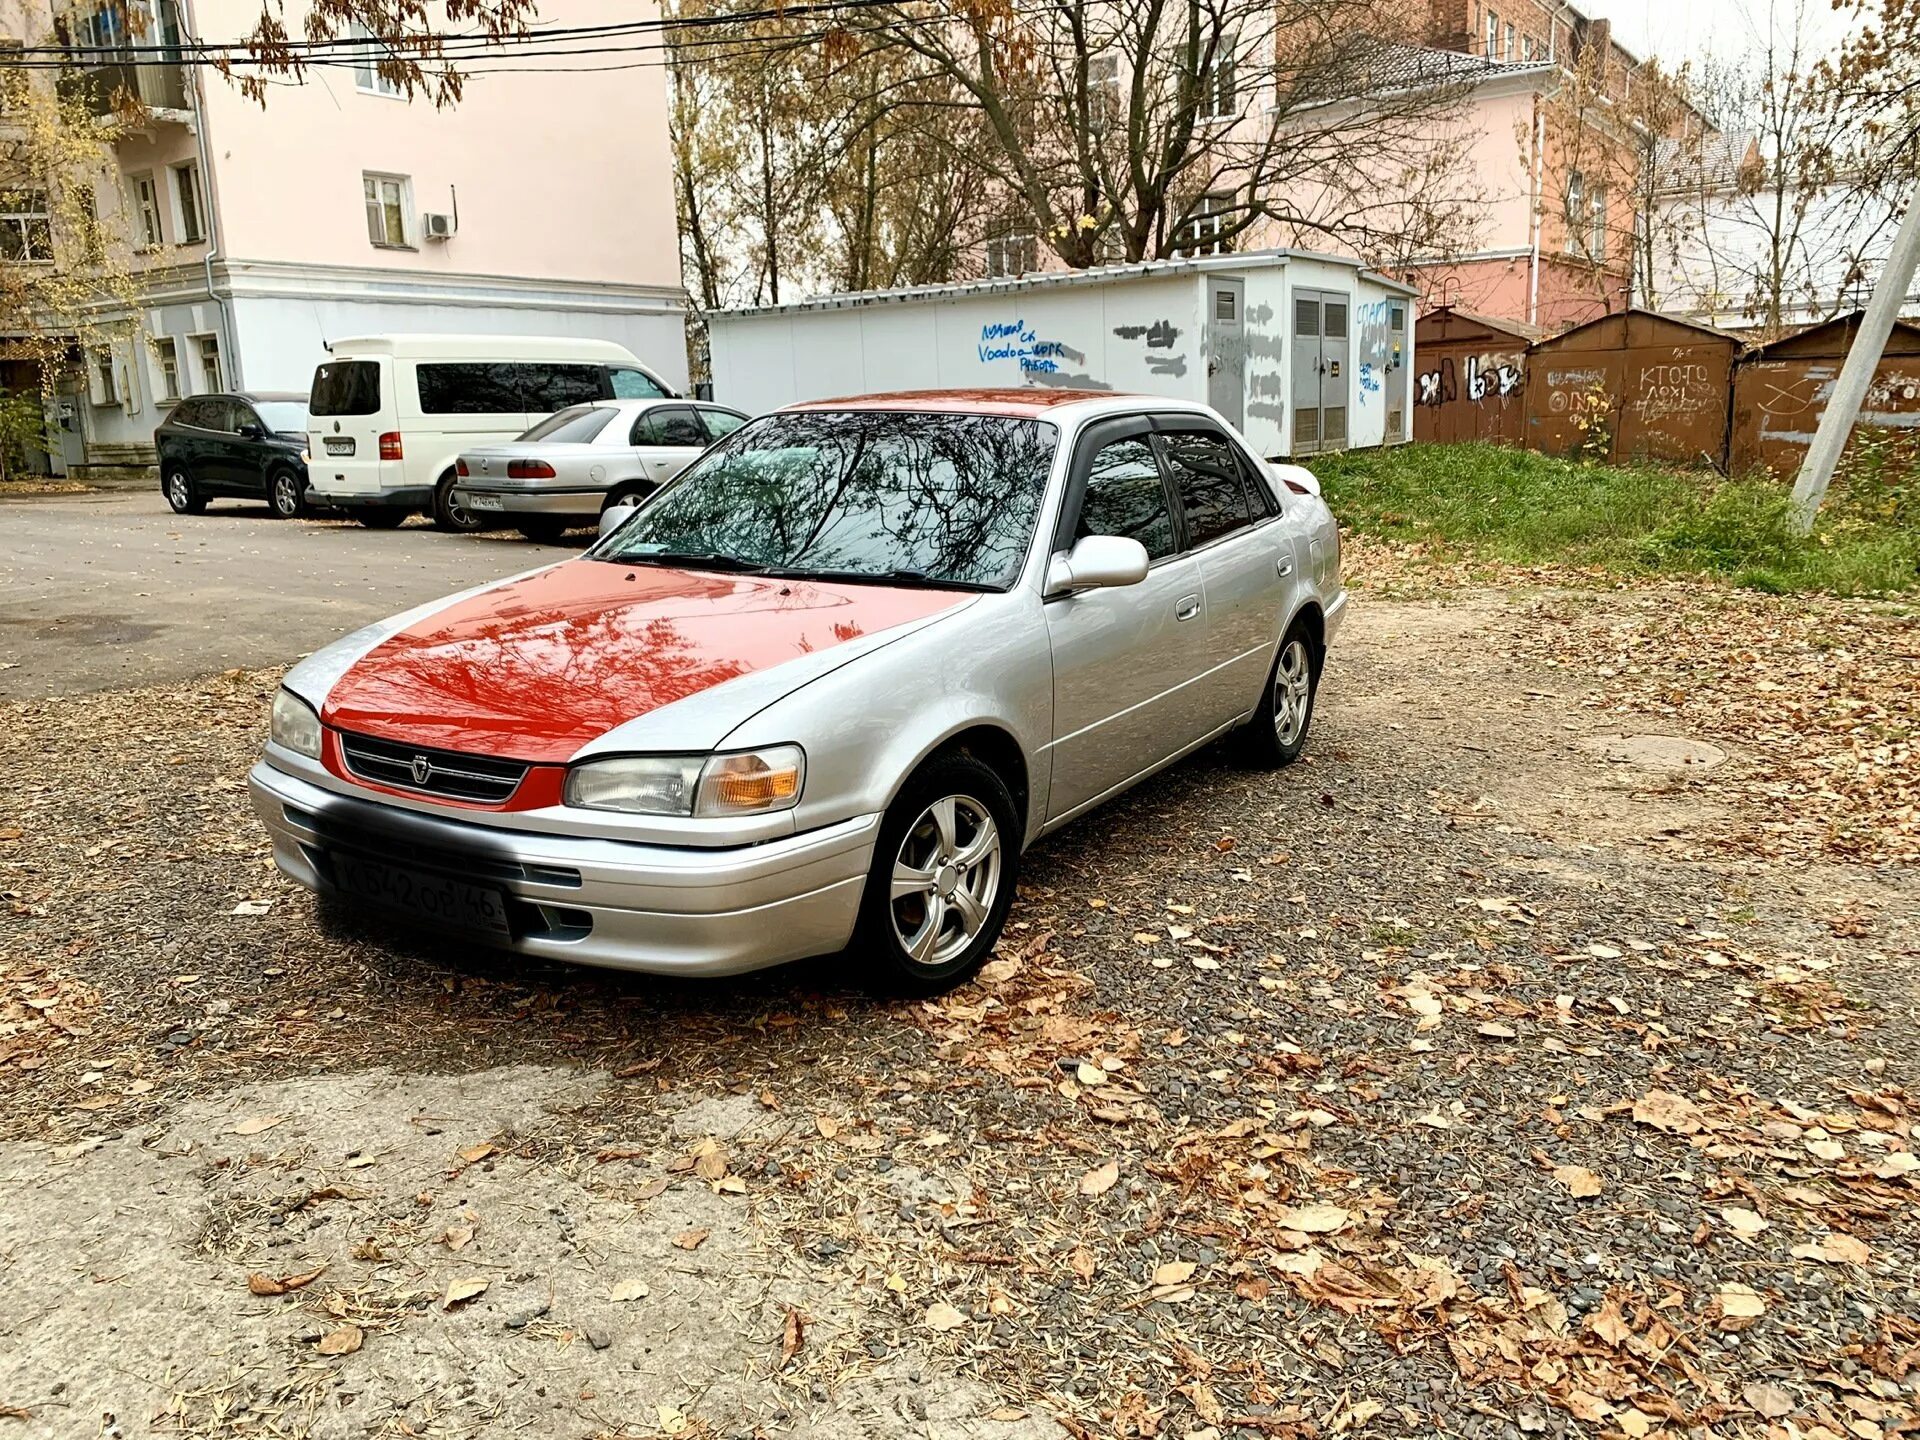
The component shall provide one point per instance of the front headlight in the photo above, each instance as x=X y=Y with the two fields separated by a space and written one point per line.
x=752 y=782
x=294 y=725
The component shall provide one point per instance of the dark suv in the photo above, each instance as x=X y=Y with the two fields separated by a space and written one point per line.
x=251 y=445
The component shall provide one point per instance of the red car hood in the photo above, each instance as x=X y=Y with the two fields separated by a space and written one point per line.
x=535 y=668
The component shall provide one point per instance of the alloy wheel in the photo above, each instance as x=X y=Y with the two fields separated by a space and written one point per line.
x=179 y=490
x=1292 y=691
x=946 y=876
x=286 y=495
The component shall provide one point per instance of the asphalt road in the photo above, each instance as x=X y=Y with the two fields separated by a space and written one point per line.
x=112 y=590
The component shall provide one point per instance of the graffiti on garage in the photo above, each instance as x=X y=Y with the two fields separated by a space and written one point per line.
x=1677 y=388
x=1489 y=377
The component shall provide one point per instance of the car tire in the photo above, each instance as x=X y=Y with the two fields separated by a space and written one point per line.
x=921 y=941
x=448 y=516
x=286 y=495
x=542 y=532
x=632 y=492
x=381 y=519
x=182 y=494
x=1277 y=732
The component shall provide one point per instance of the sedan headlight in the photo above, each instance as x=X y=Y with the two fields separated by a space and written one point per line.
x=294 y=725
x=752 y=782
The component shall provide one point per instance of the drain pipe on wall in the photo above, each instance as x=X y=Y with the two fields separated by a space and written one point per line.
x=1538 y=216
x=229 y=335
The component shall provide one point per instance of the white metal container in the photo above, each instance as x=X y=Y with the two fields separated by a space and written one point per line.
x=1304 y=353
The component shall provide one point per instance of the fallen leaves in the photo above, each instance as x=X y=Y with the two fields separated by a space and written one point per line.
x=1664 y=1110
x=1834 y=1249
x=942 y=1317
x=1100 y=1179
x=1745 y=1223
x=1313 y=1219
x=343 y=1341
x=461 y=1291
x=261 y=1284
x=256 y=1125
x=625 y=1292
x=1739 y=1305
x=691 y=1239
x=1578 y=1181
x=1768 y=1399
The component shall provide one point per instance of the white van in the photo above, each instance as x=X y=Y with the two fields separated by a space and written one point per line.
x=391 y=413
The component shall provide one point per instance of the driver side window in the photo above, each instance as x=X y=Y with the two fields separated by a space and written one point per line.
x=1125 y=497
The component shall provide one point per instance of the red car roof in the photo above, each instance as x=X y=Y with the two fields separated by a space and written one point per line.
x=1024 y=404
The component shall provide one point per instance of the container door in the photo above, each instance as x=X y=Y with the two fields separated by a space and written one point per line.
x=1336 y=375
x=1306 y=372
x=1396 y=372
x=1227 y=349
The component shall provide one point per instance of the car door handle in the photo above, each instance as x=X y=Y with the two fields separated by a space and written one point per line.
x=1283 y=568
x=1186 y=607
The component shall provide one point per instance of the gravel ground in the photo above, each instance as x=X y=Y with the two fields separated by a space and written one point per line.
x=1497 y=1070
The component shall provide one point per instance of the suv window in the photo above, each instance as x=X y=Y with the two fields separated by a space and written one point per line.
x=1207 y=477
x=217 y=413
x=1124 y=496
x=631 y=384
x=345 y=387
x=672 y=425
x=721 y=423
x=240 y=414
x=545 y=387
x=468 y=388
x=189 y=412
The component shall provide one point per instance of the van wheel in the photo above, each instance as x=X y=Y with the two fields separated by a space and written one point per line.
x=286 y=495
x=942 y=880
x=182 y=494
x=381 y=519
x=449 y=516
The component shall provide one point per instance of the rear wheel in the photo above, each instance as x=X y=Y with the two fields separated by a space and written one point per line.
x=1277 y=733
x=631 y=493
x=943 y=877
x=182 y=494
x=286 y=495
x=381 y=519
x=448 y=514
x=542 y=531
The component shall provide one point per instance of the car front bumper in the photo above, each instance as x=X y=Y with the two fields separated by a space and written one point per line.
x=495 y=500
x=665 y=909
x=407 y=497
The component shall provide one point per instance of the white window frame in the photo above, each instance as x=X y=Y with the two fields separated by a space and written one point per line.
x=1012 y=251
x=1103 y=91
x=204 y=344
x=1219 y=82
x=403 y=199
x=1597 y=224
x=1493 y=35
x=189 y=222
x=1509 y=53
x=32 y=227
x=1203 y=227
x=367 y=78
x=165 y=350
x=146 y=208
x=103 y=385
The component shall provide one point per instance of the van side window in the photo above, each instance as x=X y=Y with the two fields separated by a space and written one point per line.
x=631 y=384
x=546 y=387
x=468 y=388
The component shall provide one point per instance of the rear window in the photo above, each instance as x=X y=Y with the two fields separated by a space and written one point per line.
x=468 y=388
x=575 y=426
x=346 y=387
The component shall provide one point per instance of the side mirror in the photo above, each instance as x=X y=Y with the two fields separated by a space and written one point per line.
x=250 y=431
x=612 y=518
x=1097 y=561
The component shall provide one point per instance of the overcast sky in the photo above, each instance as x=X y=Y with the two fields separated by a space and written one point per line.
x=1679 y=30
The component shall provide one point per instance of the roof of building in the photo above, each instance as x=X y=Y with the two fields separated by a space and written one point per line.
x=1414 y=67
x=1099 y=275
x=1635 y=316
x=1712 y=161
x=1832 y=337
x=1519 y=329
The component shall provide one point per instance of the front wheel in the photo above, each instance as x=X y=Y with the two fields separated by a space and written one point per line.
x=1277 y=733
x=182 y=494
x=448 y=514
x=286 y=495
x=943 y=877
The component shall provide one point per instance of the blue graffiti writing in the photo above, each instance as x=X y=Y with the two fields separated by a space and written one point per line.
x=1014 y=340
x=1369 y=381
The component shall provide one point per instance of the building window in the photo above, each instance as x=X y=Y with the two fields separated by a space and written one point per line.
x=101 y=389
x=146 y=204
x=388 y=208
x=1202 y=235
x=1103 y=92
x=366 y=64
x=166 y=360
x=207 y=351
x=1526 y=48
x=25 y=231
x=1597 y=224
x=1586 y=218
x=1508 y=55
x=1011 y=250
x=1218 y=98
x=190 y=216
x=1493 y=36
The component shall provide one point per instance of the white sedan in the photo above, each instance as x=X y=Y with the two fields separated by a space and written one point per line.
x=585 y=459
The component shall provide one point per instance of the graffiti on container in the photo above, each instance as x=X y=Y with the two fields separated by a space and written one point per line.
x=1369 y=379
x=1489 y=377
x=1159 y=336
x=1372 y=320
x=1267 y=396
x=1017 y=341
x=1671 y=389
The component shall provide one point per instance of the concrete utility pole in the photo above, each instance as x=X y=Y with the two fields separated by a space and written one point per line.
x=1857 y=373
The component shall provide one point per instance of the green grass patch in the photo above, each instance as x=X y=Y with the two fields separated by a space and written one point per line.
x=1493 y=502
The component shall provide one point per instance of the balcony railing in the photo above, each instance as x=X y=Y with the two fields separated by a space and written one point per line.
x=130 y=55
x=117 y=88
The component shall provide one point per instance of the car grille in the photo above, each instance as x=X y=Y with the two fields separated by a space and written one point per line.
x=478 y=778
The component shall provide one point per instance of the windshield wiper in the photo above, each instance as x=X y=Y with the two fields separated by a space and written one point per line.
x=691 y=559
x=904 y=575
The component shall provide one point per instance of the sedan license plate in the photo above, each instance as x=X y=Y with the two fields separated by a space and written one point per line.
x=483 y=502
x=439 y=899
x=339 y=444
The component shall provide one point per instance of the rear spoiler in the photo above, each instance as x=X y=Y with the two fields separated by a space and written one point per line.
x=1296 y=478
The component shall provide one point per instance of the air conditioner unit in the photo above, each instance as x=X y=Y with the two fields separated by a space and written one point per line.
x=439 y=225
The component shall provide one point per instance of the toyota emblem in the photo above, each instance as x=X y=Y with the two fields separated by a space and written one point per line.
x=422 y=769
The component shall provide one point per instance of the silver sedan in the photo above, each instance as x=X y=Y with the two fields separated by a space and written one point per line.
x=819 y=694
x=578 y=461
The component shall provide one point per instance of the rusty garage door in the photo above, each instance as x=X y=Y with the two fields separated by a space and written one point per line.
x=1780 y=392
x=1471 y=384
x=1632 y=386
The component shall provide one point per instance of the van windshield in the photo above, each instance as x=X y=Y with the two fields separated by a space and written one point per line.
x=346 y=387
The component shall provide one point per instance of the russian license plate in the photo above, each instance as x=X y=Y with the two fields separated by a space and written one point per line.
x=438 y=899
x=483 y=502
x=339 y=444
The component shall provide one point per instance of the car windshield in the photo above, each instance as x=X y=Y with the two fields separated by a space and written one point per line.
x=577 y=424
x=899 y=496
x=287 y=416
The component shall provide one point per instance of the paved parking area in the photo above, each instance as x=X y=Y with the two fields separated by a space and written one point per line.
x=115 y=590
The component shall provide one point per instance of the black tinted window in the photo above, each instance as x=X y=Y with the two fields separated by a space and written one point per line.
x=346 y=387
x=468 y=388
x=672 y=426
x=243 y=415
x=631 y=384
x=1125 y=497
x=190 y=412
x=1207 y=477
x=545 y=388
